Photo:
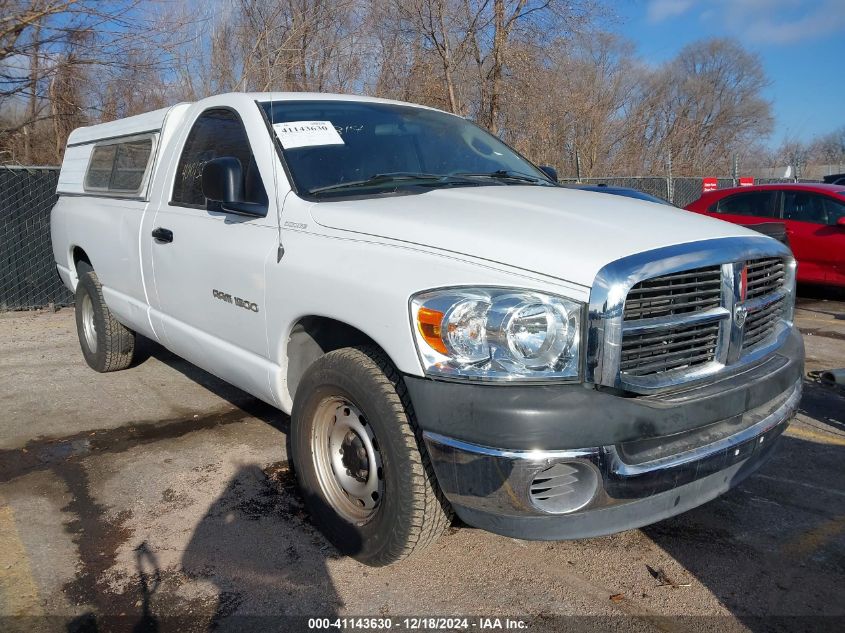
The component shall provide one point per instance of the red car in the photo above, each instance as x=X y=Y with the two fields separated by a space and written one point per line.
x=814 y=215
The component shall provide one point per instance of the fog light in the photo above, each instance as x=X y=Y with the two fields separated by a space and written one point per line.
x=564 y=487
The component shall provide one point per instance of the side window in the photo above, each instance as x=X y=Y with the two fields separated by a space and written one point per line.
x=119 y=167
x=130 y=164
x=99 y=169
x=756 y=203
x=216 y=133
x=834 y=209
x=804 y=206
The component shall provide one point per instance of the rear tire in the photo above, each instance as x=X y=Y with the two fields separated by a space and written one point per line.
x=107 y=344
x=360 y=460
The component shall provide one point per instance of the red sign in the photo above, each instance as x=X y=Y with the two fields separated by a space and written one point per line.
x=746 y=182
x=709 y=184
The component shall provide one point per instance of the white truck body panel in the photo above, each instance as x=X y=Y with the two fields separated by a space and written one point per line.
x=532 y=228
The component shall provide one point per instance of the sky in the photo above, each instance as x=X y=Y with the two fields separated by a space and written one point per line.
x=801 y=44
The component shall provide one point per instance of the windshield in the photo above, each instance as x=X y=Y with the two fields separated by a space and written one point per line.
x=355 y=148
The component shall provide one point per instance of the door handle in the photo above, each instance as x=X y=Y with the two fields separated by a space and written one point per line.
x=161 y=235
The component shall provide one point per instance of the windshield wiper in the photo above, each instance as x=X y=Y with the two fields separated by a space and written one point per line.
x=410 y=177
x=381 y=179
x=506 y=174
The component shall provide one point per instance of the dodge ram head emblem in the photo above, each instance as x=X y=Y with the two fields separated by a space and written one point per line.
x=740 y=314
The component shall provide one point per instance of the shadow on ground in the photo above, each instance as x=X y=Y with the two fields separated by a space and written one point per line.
x=253 y=563
x=822 y=293
x=255 y=544
x=146 y=349
x=825 y=404
x=265 y=560
x=774 y=547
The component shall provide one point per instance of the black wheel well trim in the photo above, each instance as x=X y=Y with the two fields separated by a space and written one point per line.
x=313 y=336
x=79 y=255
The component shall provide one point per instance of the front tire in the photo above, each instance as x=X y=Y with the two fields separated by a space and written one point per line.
x=360 y=461
x=107 y=344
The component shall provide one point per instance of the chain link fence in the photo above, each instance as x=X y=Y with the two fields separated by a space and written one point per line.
x=28 y=277
x=687 y=190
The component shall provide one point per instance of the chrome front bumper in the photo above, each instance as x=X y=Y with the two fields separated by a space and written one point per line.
x=491 y=487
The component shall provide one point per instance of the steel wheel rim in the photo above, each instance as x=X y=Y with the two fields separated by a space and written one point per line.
x=347 y=460
x=89 y=329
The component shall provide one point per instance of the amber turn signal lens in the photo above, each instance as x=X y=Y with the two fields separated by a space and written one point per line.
x=428 y=321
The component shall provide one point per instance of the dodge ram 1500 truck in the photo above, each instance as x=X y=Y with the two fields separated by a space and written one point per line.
x=450 y=331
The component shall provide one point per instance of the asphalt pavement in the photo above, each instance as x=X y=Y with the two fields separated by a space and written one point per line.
x=159 y=498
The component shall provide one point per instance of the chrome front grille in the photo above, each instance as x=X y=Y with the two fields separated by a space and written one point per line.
x=669 y=349
x=662 y=332
x=764 y=290
x=761 y=325
x=765 y=276
x=687 y=291
x=682 y=313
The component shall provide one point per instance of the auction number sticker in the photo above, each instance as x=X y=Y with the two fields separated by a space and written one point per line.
x=307 y=134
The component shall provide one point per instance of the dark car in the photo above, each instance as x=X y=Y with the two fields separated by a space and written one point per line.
x=834 y=179
x=621 y=191
x=776 y=230
x=814 y=215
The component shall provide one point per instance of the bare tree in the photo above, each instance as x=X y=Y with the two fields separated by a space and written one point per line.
x=448 y=28
x=293 y=44
x=599 y=80
x=704 y=105
x=58 y=56
x=828 y=149
x=538 y=73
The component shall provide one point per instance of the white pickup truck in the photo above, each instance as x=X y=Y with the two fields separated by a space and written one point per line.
x=449 y=330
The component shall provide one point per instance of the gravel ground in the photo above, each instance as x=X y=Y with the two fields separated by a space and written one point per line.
x=159 y=498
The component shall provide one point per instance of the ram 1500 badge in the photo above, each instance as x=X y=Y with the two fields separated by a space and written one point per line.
x=450 y=331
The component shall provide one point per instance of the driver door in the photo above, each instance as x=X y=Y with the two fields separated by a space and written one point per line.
x=209 y=265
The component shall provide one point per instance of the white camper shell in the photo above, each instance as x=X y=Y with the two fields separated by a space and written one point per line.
x=156 y=127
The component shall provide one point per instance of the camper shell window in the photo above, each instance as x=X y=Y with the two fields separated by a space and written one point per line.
x=120 y=166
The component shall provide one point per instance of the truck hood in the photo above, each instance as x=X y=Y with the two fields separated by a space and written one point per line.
x=564 y=233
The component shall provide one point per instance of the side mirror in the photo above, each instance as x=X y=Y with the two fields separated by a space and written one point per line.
x=841 y=222
x=223 y=184
x=551 y=172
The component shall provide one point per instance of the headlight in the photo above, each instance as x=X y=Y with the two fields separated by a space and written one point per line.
x=497 y=333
